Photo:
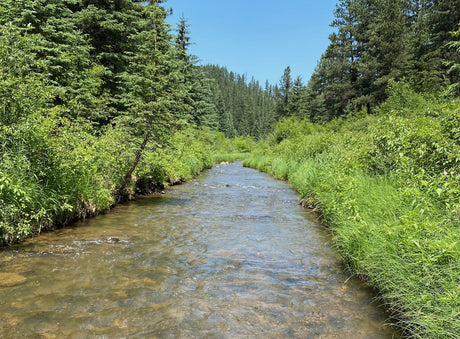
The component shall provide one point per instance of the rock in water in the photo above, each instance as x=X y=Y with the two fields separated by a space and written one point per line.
x=11 y=279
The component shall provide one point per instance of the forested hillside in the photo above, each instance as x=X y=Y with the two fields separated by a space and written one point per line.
x=246 y=109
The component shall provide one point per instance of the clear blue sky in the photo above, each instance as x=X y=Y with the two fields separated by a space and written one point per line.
x=258 y=37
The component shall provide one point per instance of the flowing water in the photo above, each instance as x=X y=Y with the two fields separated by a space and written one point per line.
x=229 y=255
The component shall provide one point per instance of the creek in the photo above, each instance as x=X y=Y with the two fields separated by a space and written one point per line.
x=228 y=255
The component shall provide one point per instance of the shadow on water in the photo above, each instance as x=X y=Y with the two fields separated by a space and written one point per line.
x=229 y=255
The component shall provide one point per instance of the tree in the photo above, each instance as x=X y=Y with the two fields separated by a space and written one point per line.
x=284 y=93
x=370 y=47
x=454 y=66
x=154 y=75
x=386 y=50
x=182 y=42
x=225 y=119
x=243 y=108
x=63 y=51
x=111 y=27
x=198 y=103
x=298 y=102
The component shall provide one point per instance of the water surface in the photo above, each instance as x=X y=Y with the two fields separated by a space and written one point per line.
x=229 y=255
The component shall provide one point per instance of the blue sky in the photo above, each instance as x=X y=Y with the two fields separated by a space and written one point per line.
x=258 y=37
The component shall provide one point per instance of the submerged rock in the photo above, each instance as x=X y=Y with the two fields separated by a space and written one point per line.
x=11 y=279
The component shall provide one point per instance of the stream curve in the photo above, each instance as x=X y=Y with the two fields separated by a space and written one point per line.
x=228 y=255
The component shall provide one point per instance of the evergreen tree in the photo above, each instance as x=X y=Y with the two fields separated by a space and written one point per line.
x=454 y=66
x=224 y=116
x=377 y=41
x=154 y=75
x=298 y=101
x=182 y=42
x=284 y=93
x=198 y=103
x=386 y=50
x=111 y=27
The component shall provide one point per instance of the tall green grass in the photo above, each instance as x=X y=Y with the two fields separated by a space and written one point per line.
x=388 y=187
x=230 y=150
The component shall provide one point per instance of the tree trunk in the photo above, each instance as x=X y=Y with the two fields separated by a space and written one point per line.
x=127 y=178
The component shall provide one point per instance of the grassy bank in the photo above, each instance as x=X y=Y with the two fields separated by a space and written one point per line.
x=45 y=182
x=388 y=186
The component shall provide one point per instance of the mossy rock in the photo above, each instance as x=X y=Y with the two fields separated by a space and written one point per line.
x=11 y=279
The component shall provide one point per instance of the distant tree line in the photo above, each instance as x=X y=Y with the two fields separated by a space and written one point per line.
x=244 y=107
x=375 y=42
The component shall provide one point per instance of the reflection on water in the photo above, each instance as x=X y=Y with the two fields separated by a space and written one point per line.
x=231 y=255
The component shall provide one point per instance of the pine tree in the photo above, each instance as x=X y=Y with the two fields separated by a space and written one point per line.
x=284 y=93
x=246 y=108
x=198 y=102
x=225 y=119
x=182 y=41
x=370 y=47
x=111 y=27
x=154 y=77
x=386 y=49
x=454 y=65
x=298 y=101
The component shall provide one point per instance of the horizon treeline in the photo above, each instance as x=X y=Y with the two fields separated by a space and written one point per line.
x=245 y=108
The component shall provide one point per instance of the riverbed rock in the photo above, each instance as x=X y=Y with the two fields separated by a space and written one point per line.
x=11 y=279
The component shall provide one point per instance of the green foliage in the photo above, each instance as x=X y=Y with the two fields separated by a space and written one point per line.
x=190 y=154
x=229 y=150
x=113 y=113
x=387 y=185
x=454 y=65
x=284 y=94
x=379 y=41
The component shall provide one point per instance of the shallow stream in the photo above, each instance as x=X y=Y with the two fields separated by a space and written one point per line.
x=229 y=255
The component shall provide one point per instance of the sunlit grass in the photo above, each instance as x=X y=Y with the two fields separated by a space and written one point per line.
x=390 y=205
x=229 y=157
